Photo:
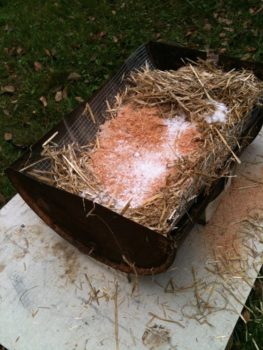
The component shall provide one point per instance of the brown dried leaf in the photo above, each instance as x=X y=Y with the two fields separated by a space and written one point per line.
x=65 y=93
x=102 y=34
x=37 y=66
x=50 y=53
x=222 y=50
x=47 y=52
x=246 y=315
x=8 y=89
x=74 y=76
x=79 y=99
x=255 y=10
x=58 y=96
x=190 y=32
x=43 y=100
x=20 y=50
x=251 y=49
x=8 y=136
x=229 y=29
x=226 y=21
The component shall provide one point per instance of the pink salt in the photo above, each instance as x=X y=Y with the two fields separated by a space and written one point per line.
x=137 y=149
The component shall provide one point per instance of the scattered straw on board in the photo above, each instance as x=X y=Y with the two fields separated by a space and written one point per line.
x=217 y=103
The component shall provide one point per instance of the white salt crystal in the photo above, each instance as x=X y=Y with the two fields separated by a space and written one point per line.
x=219 y=115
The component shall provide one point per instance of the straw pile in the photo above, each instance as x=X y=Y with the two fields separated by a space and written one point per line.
x=215 y=102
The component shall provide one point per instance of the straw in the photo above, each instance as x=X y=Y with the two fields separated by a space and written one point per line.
x=192 y=91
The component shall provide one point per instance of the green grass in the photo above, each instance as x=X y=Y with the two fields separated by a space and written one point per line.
x=92 y=38
x=245 y=336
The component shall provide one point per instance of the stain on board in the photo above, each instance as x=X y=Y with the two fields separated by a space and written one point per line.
x=2 y=267
x=157 y=337
x=67 y=255
x=22 y=236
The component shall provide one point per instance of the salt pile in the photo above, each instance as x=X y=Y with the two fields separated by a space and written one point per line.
x=219 y=115
x=137 y=153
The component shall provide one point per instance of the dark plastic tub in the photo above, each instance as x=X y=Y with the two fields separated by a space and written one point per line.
x=106 y=235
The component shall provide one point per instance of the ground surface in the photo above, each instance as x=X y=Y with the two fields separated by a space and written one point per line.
x=53 y=54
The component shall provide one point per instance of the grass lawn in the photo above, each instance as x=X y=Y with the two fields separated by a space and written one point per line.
x=55 y=53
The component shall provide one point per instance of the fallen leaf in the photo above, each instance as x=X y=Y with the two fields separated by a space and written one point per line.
x=43 y=100
x=20 y=51
x=58 y=96
x=9 y=89
x=157 y=35
x=115 y=39
x=207 y=26
x=79 y=99
x=255 y=10
x=74 y=76
x=47 y=52
x=65 y=93
x=8 y=136
x=37 y=66
x=190 y=32
x=251 y=49
x=6 y=112
x=246 y=315
x=229 y=29
x=102 y=34
x=226 y=21
x=113 y=12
